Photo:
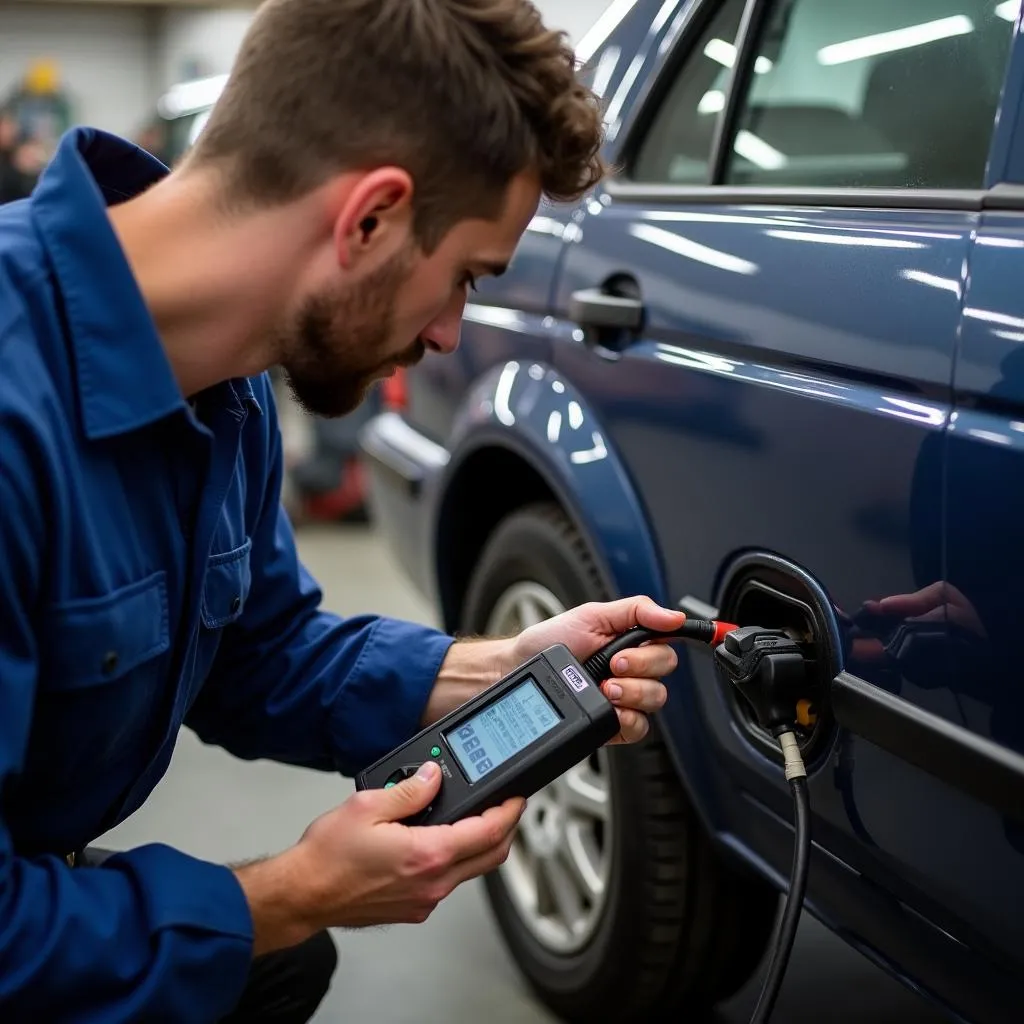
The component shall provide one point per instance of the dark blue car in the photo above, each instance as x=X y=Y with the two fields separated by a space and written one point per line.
x=772 y=370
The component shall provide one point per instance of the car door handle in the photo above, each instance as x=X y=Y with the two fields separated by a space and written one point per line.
x=595 y=308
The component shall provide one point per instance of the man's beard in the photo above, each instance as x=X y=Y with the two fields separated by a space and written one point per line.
x=337 y=346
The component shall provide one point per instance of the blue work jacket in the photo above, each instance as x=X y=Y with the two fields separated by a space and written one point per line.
x=148 y=579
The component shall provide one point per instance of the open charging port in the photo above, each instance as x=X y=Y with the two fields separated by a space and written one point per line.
x=765 y=591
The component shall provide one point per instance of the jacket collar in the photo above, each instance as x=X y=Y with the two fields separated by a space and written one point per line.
x=123 y=377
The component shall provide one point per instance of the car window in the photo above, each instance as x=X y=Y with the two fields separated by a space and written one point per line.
x=677 y=146
x=873 y=94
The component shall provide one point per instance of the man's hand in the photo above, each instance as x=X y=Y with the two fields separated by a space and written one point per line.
x=356 y=866
x=635 y=689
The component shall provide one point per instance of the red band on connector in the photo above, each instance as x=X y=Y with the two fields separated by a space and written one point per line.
x=721 y=629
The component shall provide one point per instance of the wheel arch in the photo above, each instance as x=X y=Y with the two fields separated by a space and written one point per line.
x=503 y=458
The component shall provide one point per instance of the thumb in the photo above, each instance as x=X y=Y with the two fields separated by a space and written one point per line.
x=646 y=612
x=411 y=795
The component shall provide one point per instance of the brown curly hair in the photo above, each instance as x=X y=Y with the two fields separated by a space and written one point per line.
x=463 y=94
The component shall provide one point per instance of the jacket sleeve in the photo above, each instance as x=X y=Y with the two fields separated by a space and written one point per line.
x=295 y=683
x=153 y=933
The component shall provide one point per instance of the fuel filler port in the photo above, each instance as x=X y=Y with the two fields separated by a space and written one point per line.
x=767 y=592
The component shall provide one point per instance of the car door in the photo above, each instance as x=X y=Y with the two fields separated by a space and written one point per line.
x=799 y=185
x=980 y=593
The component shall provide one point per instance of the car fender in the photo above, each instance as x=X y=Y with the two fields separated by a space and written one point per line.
x=528 y=408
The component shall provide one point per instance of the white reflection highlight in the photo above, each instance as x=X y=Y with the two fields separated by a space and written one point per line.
x=613 y=114
x=711 y=102
x=595 y=454
x=503 y=393
x=575 y=415
x=498 y=316
x=948 y=284
x=725 y=54
x=898 y=39
x=1010 y=335
x=992 y=317
x=1008 y=10
x=989 y=435
x=599 y=32
x=558 y=387
x=758 y=152
x=1000 y=243
x=541 y=225
x=867 y=240
x=554 y=426
x=914 y=411
x=536 y=371
x=694 y=360
x=691 y=250
x=605 y=69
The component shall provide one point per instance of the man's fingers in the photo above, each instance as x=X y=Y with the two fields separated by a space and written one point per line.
x=640 y=611
x=914 y=604
x=652 y=661
x=472 y=837
x=633 y=726
x=481 y=864
x=638 y=694
x=410 y=795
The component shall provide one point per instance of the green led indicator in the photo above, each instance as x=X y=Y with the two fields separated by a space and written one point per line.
x=435 y=751
x=388 y=785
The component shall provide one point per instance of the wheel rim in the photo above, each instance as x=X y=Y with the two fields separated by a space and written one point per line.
x=557 y=872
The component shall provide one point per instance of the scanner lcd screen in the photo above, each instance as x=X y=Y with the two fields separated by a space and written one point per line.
x=502 y=729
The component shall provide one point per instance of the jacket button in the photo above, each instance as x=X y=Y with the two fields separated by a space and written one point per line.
x=236 y=603
x=110 y=660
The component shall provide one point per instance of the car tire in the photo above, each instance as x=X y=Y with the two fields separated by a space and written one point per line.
x=680 y=928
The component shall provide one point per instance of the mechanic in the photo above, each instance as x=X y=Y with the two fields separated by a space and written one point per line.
x=368 y=160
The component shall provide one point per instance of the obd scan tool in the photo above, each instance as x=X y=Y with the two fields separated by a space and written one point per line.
x=523 y=732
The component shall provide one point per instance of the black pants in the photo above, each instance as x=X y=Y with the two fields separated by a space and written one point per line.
x=286 y=987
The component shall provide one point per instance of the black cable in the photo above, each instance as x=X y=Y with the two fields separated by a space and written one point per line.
x=783 y=945
x=705 y=631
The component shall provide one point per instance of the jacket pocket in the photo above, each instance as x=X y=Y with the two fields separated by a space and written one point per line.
x=228 y=579
x=97 y=640
x=103 y=674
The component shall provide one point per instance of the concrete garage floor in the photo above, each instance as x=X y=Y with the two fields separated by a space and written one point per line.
x=453 y=967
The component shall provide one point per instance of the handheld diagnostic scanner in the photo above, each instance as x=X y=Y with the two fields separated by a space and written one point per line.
x=523 y=732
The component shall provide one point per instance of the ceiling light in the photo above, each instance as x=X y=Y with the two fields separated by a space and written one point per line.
x=899 y=39
x=1008 y=10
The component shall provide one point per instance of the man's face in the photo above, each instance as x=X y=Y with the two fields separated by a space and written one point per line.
x=351 y=333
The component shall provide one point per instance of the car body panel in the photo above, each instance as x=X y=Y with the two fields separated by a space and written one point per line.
x=830 y=380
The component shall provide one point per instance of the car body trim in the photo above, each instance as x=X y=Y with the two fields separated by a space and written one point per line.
x=854 y=198
x=986 y=771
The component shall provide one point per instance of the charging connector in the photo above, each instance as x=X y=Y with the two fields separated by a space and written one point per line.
x=768 y=668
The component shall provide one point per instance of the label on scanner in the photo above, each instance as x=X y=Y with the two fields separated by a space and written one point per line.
x=574 y=679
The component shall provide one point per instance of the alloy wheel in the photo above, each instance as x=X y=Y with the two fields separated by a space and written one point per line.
x=557 y=872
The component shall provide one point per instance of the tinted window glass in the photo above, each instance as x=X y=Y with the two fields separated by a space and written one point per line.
x=677 y=147
x=873 y=94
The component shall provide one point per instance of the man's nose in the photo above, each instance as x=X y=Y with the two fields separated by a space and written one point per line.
x=444 y=333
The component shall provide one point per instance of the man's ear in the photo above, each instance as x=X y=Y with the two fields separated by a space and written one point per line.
x=374 y=215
